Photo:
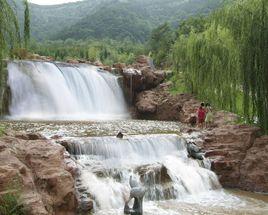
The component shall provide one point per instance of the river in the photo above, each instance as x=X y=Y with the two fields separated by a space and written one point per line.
x=154 y=152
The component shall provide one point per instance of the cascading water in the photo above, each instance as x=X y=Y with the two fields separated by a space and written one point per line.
x=160 y=162
x=43 y=90
x=175 y=184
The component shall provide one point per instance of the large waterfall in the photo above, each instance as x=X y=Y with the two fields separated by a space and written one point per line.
x=43 y=90
x=160 y=162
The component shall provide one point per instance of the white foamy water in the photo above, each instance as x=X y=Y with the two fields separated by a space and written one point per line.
x=43 y=90
x=160 y=162
x=176 y=185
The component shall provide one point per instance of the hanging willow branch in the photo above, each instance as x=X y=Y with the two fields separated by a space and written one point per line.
x=227 y=62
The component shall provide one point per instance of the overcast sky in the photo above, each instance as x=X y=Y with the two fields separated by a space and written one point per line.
x=50 y=2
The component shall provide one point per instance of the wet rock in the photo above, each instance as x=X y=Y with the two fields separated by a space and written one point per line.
x=156 y=173
x=86 y=206
x=66 y=145
x=194 y=151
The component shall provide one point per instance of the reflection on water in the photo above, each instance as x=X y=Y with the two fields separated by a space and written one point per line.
x=108 y=162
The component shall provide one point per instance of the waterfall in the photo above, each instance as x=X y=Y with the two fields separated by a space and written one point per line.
x=160 y=162
x=44 y=90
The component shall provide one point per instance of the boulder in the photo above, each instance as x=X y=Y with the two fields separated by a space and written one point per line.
x=159 y=104
x=254 y=167
x=72 y=61
x=152 y=78
x=39 y=169
x=157 y=173
x=98 y=63
x=30 y=136
x=107 y=68
x=239 y=156
x=146 y=104
x=119 y=67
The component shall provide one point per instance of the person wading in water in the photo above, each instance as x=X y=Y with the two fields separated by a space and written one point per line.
x=201 y=115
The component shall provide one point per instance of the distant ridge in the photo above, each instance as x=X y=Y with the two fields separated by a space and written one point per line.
x=115 y=19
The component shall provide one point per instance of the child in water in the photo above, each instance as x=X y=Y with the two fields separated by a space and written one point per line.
x=201 y=115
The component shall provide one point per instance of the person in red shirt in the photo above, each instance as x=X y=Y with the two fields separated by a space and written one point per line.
x=201 y=115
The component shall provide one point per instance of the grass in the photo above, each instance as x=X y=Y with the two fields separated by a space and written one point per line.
x=178 y=84
x=2 y=130
x=10 y=203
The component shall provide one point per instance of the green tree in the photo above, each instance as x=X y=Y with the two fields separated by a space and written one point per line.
x=226 y=62
x=9 y=28
x=160 y=43
x=26 y=24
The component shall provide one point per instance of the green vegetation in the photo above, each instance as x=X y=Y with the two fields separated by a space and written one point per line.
x=26 y=24
x=113 y=19
x=9 y=30
x=160 y=43
x=221 y=58
x=224 y=60
x=9 y=205
x=10 y=199
x=107 y=51
x=2 y=130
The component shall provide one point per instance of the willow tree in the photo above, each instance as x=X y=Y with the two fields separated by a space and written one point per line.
x=248 y=22
x=9 y=30
x=227 y=63
x=202 y=58
x=26 y=24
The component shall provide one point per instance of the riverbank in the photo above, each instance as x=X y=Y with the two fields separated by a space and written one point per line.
x=49 y=163
x=42 y=166
x=39 y=172
x=239 y=152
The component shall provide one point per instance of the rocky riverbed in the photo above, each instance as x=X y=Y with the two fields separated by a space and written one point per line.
x=30 y=154
x=47 y=173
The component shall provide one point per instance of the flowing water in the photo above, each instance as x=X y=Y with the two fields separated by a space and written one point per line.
x=44 y=90
x=153 y=152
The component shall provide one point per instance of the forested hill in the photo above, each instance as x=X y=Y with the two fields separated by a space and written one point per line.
x=116 y=19
x=46 y=21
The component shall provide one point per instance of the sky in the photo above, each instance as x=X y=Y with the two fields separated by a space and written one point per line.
x=50 y=2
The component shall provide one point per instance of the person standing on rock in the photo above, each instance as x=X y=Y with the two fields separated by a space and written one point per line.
x=201 y=115
x=209 y=115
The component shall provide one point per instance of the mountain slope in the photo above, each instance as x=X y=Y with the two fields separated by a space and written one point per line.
x=134 y=19
x=47 y=20
x=116 y=19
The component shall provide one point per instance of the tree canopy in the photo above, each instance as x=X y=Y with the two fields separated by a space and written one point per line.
x=225 y=61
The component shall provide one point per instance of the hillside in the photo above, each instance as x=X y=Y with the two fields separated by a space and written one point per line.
x=116 y=19
x=47 y=20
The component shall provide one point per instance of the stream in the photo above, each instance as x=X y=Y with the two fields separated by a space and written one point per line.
x=154 y=153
